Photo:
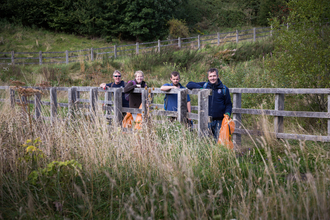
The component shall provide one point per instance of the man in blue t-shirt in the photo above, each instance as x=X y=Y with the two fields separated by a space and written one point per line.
x=118 y=83
x=171 y=100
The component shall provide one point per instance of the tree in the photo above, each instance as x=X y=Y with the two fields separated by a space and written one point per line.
x=302 y=48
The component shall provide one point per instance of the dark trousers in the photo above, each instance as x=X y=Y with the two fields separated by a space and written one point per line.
x=214 y=128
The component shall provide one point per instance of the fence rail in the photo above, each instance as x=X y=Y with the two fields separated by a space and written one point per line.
x=112 y=104
x=91 y=54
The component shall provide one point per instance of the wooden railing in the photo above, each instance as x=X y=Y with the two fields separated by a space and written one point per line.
x=279 y=113
x=112 y=103
x=91 y=54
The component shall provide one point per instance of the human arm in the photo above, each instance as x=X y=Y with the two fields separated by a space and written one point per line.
x=195 y=85
x=167 y=87
x=104 y=85
x=189 y=106
x=129 y=87
x=228 y=103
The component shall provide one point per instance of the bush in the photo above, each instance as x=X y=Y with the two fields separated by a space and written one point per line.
x=178 y=28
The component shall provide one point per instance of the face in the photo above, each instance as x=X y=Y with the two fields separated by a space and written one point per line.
x=175 y=80
x=213 y=77
x=117 y=78
x=139 y=78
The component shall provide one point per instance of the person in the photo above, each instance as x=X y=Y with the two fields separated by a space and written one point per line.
x=171 y=100
x=118 y=83
x=135 y=99
x=219 y=102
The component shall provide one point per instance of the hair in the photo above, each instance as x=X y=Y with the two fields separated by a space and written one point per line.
x=175 y=73
x=116 y=71
x=138 y=72
x=213 y=70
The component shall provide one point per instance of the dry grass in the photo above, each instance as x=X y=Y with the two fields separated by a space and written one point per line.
x=163 y=171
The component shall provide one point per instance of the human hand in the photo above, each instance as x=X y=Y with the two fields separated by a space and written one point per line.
x=103 y=85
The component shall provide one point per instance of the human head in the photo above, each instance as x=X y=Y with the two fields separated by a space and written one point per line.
x=213 y=75
x=175 y=78
x=116 y=76
x=139 y=75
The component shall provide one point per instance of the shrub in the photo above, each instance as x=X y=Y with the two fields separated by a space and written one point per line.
x=178 y=28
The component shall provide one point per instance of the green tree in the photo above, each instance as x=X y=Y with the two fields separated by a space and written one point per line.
x=302 y=49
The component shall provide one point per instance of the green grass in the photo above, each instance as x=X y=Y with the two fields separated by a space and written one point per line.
x=165 y=171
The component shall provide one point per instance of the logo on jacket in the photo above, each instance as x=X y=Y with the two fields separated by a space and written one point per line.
x=219 y=91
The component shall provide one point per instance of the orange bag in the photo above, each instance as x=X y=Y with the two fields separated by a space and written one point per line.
x=226 y=130
x=127 y=121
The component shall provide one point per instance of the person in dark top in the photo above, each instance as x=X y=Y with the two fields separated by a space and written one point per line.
x=118 y=83
x=219 y=102
x=135 y=99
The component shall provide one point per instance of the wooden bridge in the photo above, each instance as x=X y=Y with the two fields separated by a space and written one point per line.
x=112 y=103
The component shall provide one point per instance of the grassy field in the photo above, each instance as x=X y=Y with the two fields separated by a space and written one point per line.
x=84 y=169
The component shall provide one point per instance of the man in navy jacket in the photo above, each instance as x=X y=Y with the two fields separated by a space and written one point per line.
x=219 y=102
x=118 y=83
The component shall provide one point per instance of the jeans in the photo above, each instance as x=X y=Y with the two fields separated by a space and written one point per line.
x=214 y=128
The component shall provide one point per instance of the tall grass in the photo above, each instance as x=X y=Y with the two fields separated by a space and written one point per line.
x=163 y=171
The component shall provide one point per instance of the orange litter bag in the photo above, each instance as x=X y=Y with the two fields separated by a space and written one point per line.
x=226 y=130
x=128 y=119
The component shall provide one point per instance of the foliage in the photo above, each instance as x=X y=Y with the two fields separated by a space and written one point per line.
x=63 y=171
x=272 y=9
x=178 y=28
x=302 y=50
x=32 y=150
x=139 y=19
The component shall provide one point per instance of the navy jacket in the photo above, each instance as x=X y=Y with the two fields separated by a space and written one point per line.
x=122 y=85
x=219 y=104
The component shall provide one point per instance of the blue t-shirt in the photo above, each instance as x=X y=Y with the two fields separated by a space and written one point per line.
x=171 y=100
x=120 y=85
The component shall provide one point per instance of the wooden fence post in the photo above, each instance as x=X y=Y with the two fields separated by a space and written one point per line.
x=40 y=57
x=115 y=50
x=179 y=42
x=278 y=120
x=218 y=38
x=72 y=98
x=67 y=57
x=203 y=112
x=37 y=105
x=12 y=58
x=182 y=105
x=93 y=97
x=12 y=98
x=271 y=30
x=237 y=36
x=137 y=47
x=118 y=106
x=53 y=103
x=254 y=34
x=92 y=54
x=237 y=103
x=159 y=46
x=328 y=112
x=144 y=96
x=199 y=42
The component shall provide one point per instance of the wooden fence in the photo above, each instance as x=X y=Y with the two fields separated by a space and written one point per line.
x=91 y=54
x=112 y=103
